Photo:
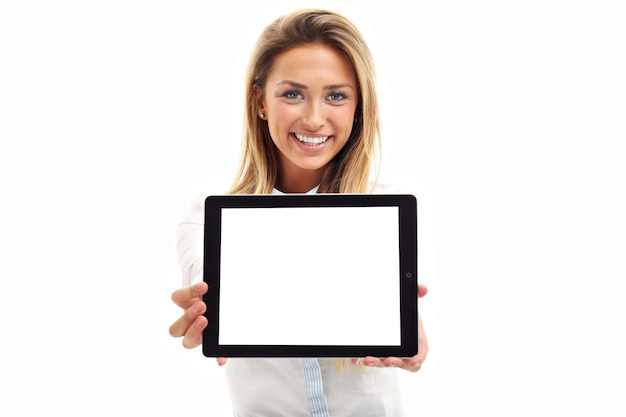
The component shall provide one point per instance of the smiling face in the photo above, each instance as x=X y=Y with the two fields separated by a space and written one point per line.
x=309 y=103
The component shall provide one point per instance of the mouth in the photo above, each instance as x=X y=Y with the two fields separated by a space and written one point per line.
x=311 y=141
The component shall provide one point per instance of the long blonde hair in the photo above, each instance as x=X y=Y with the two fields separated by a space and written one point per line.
x=350 y=170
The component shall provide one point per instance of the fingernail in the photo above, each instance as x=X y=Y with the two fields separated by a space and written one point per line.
x=200 y=322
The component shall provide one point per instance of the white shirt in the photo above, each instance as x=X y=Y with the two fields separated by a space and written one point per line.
x=292 y=387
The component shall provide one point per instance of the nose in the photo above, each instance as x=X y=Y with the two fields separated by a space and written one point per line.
x=314 y=117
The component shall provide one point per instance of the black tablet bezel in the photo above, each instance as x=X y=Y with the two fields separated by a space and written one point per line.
x=407 y=241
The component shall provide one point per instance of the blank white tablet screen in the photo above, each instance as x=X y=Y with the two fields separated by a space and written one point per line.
x=310 y=276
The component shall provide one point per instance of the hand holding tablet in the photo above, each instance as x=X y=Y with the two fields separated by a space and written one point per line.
x=325 y=275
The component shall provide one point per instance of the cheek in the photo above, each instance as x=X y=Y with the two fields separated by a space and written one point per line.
x=282 y=117
x=279 y=133
x=347 y=121
x=344 y=120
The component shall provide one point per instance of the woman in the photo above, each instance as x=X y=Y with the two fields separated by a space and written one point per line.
x=311 y=125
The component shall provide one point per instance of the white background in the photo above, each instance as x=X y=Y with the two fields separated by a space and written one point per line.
x=507 y=119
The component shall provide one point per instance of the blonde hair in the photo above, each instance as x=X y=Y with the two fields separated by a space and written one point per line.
x=349 y=171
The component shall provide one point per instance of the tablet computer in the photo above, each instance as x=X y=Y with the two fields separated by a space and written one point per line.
x=301 y=275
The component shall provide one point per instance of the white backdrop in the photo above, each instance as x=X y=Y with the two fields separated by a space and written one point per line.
x=506 y=119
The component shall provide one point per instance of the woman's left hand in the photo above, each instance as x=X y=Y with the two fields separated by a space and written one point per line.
x=410 y=364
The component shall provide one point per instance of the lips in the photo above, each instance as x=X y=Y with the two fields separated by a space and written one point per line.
x=311 y=140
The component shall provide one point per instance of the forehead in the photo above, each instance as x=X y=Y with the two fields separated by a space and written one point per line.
x=312 y=63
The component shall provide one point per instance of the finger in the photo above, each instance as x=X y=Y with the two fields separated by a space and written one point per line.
x=180 y=327
x=383 y=362
x=373 y=361
x=193 y=337
x=420 y=357
x=185 y=297
x=221 y=361
x=393 y=362
x=412 y=365
x=422 y=290
x=415 y=363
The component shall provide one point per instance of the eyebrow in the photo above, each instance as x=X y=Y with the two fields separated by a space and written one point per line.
x=304 y=87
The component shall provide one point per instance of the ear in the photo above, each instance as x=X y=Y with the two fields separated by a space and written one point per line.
x=259 y=98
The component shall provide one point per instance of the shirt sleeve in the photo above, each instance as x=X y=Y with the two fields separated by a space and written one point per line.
x=189 y=243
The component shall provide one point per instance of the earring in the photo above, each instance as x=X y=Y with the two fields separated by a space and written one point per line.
x=262 y=116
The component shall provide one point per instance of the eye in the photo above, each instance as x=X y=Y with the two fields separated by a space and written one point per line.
x=292 y=95
x=337 y=97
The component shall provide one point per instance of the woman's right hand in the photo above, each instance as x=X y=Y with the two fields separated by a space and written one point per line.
x=192 y=323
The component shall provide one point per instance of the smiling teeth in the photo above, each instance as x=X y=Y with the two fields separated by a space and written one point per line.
x=311 y=141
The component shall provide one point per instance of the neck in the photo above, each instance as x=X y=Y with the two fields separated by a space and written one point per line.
x=298 y=180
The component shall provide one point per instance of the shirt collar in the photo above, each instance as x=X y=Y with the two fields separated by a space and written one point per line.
x=311 y=191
